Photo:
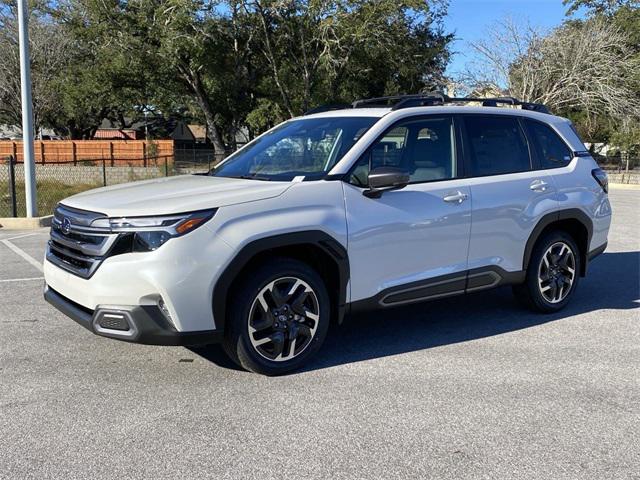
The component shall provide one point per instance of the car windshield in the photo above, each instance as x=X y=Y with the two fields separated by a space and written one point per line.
x=306 y=148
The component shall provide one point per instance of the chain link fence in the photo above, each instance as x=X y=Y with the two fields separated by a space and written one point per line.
x=56 y=181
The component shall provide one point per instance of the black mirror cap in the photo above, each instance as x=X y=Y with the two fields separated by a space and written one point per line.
x=387 y=177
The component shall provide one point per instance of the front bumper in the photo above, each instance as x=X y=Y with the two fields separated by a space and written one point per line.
x=182 y=273
x=139 y=324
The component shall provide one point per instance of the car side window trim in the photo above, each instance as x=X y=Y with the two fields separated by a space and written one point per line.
x=457 y=147
x=461 y=151
x=535 y=162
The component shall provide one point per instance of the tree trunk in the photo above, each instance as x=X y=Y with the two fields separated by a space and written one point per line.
x=271 y=60
x=193 y=81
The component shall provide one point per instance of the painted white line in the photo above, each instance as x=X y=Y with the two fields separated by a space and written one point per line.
x=23 y=254
x=6 y=280
x=25 y=235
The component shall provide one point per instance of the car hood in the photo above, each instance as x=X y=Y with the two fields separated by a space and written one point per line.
x=169 y=195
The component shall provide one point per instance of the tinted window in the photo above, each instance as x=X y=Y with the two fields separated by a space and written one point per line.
x=551 y=150
x=497 y=145
x=425 y=148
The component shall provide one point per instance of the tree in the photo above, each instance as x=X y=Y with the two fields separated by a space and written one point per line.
x=236 y=65
x=51 y=51
x=599 y=6
x=319 y=52
x=585 y=66
x=166 y=46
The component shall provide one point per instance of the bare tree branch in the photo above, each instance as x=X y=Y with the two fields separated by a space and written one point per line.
x=582 y=65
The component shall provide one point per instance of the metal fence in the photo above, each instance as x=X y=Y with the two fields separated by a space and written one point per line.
x=618 y=163
x=196 y=158
x=56 y=181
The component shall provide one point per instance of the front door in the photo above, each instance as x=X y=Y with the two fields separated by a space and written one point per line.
x=399 y=243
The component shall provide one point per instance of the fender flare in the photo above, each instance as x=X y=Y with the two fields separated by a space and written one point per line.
x=332 y=247
x=548 y=219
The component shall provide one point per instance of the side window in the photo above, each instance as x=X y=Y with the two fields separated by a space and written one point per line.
x=423 y=147
x=551 y=150
x=387 y=152
x=497 y=145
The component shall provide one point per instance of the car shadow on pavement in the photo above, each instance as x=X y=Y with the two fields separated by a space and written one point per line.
x=612 y=283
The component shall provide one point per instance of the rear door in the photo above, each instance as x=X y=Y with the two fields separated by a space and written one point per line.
x=404 y=238
x=509 y=194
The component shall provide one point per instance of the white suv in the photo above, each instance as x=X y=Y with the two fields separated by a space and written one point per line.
x=392 y=201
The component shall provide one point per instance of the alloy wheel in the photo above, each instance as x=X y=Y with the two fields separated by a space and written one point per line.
x=283 y=319
x=557 y=272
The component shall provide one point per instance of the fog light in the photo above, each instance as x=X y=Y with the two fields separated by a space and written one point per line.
x=113 y=321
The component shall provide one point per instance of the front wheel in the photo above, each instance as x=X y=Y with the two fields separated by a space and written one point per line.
x=278 y=317
x=552 y=275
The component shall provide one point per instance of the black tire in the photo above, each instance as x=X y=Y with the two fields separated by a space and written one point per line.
x=529 y=293
x=237 y=341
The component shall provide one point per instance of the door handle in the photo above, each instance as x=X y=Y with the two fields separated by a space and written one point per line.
x=456 y=197
x=538 y=186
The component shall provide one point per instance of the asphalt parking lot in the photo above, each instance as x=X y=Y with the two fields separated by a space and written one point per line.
x=470 y=387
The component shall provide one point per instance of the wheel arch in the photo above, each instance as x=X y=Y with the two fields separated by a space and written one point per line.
x=315 y=247
x=573 y=221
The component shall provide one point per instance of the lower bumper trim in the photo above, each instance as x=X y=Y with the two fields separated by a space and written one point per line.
x=597 y=251
x=147 y=324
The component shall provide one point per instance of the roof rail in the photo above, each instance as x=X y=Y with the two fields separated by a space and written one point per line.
x=385 y=101
x=431 y=99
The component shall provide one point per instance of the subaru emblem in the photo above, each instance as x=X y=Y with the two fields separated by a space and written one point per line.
x=66 y=225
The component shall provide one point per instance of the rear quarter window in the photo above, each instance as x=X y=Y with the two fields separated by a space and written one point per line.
x=551 y=150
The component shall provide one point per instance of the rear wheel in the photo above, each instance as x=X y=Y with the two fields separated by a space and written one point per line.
x=278 y=317
x=552 y=275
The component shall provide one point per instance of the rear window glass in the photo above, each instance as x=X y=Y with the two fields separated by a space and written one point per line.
x=497 y=146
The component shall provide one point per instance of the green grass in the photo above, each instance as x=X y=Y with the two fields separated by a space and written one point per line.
x=49 y=193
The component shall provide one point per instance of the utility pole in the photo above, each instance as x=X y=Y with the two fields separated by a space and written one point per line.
x=27 y=110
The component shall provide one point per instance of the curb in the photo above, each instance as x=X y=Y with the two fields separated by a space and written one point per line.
x=21 y=223
x=624 y=186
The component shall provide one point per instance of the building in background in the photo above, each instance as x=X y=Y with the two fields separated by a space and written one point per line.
x=9 y=132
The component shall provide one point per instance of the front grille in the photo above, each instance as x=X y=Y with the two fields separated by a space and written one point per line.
x=75 y=245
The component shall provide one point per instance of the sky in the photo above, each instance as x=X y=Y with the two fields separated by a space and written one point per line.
x=469 y=19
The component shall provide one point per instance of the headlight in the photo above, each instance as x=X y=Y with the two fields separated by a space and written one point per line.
x=143 y=234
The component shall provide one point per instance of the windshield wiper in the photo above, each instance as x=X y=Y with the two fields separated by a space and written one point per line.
x=253 y=176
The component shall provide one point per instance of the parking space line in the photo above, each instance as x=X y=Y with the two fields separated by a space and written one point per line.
x=25 y=235
x=7 y=280
x=23 y=254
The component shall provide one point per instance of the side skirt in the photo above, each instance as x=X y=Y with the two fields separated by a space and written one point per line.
x=440 y=287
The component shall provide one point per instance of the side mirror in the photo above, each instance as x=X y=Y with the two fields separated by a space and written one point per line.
x=383 y=179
